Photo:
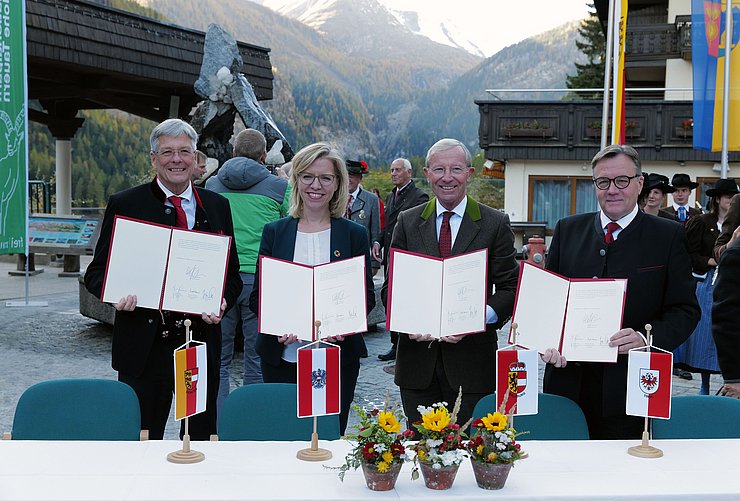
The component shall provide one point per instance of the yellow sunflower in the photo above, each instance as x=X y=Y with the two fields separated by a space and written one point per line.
x=495 y=421
x=387 y=457
x=388 y=422
x=436 y=420
x=383 y=467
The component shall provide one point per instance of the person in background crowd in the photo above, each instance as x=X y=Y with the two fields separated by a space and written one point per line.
x=730 y=228
x=680 y=210
x=382 y=208
x=724 y=319
x=698 y=353
x=619 y=241
x=315 y=233
x=144 y=339
x=257 y=198
x=200 y=171
x=453 y=223
x=404 y=196
x=362 y=206
x=655 y=189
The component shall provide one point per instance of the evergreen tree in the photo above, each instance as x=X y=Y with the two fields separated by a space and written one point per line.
x=592 y=44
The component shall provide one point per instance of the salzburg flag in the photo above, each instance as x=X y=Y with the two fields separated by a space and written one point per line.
x=318 y=381
x=649 y=384
x=191 y=381
x=516 y=374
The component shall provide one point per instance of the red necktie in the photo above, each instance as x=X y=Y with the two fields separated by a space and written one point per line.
x=610 y=229
x=348 y=210
x=181 y=220
x=445 y=235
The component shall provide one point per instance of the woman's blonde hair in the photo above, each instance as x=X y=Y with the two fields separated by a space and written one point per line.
x=302 y=161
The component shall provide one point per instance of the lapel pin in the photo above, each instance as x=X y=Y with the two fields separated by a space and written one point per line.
x=337 y=253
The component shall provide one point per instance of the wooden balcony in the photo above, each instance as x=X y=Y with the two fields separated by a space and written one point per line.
x=571 y=130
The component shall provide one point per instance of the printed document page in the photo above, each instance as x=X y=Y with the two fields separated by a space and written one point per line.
x=286 y=298
x=464 y=294
x=339 y=297
x=415 y=293
x=196 y=272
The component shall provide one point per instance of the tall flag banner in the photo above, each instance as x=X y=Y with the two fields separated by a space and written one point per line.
x=318 y=381
x=708 y=64
x=13 y=128
x=516 y=375
x=649 y=384
x=191 y=380
x=620 y=36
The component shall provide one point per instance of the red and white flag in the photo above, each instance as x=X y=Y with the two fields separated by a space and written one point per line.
x=191 y=380
x=649 y=384
x=318 y=381
x=516 y=376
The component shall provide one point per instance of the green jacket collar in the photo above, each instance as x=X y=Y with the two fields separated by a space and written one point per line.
x=472 y=209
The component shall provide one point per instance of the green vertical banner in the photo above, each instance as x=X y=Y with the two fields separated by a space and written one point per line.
x=13 y=128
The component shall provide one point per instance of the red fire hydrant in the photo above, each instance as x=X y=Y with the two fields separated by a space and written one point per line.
x=534 y=251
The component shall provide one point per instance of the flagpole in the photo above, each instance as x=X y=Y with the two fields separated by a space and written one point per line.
x=645 y=450
x=726 y=90
x=607 y=72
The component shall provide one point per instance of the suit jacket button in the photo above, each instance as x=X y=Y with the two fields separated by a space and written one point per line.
x=151 y=320
x=168 y=211
x=602 y=252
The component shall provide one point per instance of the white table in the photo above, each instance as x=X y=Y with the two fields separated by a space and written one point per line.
x=29 y=470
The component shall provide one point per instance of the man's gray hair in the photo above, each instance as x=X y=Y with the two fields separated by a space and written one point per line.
x=172 y=127
x=447 y=144
x=404 y=161
x=619 y=149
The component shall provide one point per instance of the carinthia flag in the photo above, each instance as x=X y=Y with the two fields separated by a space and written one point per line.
x=649 y=384
x=516 y=374
x=191 y=380
x=318 y=381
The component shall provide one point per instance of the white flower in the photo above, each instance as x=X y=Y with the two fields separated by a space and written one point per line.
x=434 y=442
x=380 y=447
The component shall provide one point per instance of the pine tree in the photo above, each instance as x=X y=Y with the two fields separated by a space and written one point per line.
x=593 y=45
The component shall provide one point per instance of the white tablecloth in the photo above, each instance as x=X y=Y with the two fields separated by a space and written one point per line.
x=29 y=470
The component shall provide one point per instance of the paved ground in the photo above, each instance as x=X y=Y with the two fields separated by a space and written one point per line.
x=55 y=341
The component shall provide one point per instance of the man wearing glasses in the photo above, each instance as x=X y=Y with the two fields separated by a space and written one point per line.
x=144 y=339
x=619 y=241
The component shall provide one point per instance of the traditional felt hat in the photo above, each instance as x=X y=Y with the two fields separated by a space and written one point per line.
x=355 y=167
x=683 y=181
x=659 y=182
x=723 y=187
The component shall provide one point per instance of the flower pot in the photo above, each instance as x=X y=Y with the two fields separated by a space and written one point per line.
x=381 y=481
x=490 y=476
x=438 y=478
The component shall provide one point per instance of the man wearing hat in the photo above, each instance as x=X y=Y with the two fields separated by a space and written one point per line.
x=363 y=206
x=681 y=211
x=654 y=191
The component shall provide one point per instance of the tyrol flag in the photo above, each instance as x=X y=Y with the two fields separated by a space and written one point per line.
x=708 y=64
x=191 y=380
x=649 y=384
x=318 y=380
x=517 y=381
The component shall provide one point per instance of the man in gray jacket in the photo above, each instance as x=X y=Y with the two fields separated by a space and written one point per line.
x=257 y=198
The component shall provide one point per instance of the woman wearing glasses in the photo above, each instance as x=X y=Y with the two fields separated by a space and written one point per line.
x=315 y=233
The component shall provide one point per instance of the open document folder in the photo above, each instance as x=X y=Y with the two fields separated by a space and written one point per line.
x=576 y=316
x=166 y=268
x=293 y=296
x=441 y=297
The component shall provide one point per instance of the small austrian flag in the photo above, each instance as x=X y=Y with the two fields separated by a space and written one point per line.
x=318 y=381
x=649 y=384
x=516 y=381
x=191 y=382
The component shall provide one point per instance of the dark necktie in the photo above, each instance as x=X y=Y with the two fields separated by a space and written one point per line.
x=445 y=235
x=181 y=220
x=348 y=210
x=610 y=229
x=682 y=214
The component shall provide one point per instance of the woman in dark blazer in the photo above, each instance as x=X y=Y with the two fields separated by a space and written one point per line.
x=315 y=233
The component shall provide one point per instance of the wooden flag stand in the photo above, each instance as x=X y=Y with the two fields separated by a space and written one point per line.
x=186 y=455
x=645 y=450
x=314 y=453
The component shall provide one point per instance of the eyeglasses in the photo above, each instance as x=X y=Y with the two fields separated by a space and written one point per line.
x=455 y=171
x=324 y=179
x=620 y=182
x=184 y=153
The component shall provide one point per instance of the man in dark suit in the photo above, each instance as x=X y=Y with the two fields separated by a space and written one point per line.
x=453 y=223
x=680 y=211
x=144 y=339
x=404 y=196
x=619 y=241
x=724 y=319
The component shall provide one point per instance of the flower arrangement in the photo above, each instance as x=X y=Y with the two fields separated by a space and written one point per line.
x=687 y=124
x=631 y=124
x=379 y=440
x=494 y=441
x=441 y=438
